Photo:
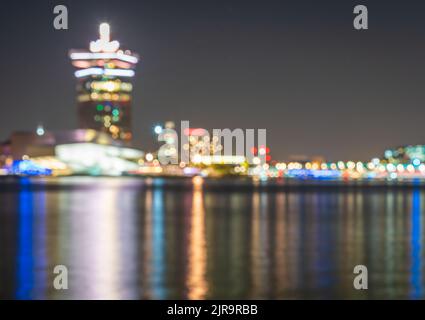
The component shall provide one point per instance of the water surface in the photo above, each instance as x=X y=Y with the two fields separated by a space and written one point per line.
x=129 y=238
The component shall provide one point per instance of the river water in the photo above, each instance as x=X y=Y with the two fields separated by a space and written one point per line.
x=131 y=238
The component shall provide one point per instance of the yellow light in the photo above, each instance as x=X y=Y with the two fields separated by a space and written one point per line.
x=111 y=86
x=197 y=181
x=126 y=86
x=83 y=98
x=114 y=129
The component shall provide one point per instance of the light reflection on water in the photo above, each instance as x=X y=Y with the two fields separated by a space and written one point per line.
x=196 y=283
x=124 y=238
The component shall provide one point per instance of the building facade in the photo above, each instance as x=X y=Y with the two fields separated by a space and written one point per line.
x=104 y=86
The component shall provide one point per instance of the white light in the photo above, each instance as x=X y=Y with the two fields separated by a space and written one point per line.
x=119 y=72
x=40 y=131
x=219 y=159
x=103 y=55
x=256 y=161
x=197 y=158
x=126 y=57
x=84 y=157
x=106 y=72
x=104 y=43
x=88 y=72
x=351 y=165
x=149 y=157
x=391 y=167
x=158 y=129
x=416 y=162
x=104 y=31
x=109 y=86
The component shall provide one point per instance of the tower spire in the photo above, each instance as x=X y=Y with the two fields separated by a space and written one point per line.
x=104 y=43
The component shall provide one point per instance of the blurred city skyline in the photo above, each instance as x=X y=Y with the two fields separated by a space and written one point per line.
x=300 y=70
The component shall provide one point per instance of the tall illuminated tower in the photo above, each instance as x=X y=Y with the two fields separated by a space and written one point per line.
x=104 y=86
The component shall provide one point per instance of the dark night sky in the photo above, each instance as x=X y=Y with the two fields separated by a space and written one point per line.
x=296 y=68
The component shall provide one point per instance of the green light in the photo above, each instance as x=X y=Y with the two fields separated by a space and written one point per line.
x=99 y=107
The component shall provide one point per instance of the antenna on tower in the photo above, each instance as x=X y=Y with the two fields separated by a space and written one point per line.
x=104 y=43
